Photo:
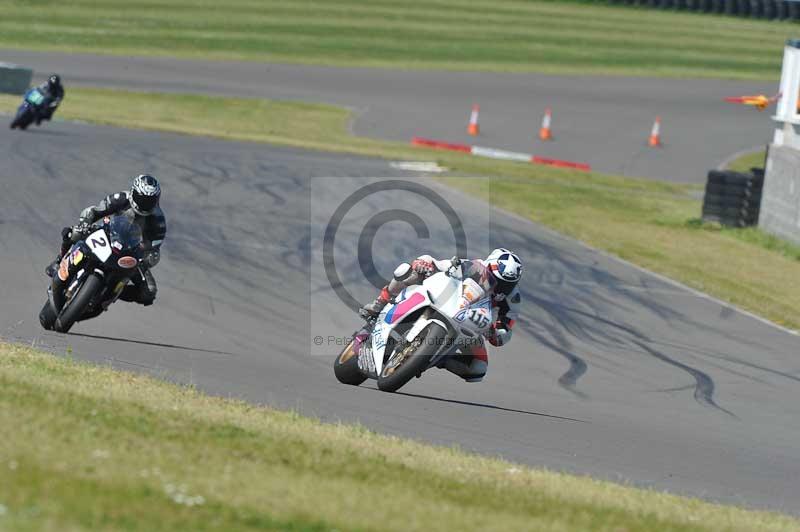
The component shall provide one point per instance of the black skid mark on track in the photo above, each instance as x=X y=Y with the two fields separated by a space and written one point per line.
x=704 y=385
x=577 y=366
x=583 y=325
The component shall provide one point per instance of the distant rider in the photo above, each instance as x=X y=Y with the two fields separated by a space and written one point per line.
x=140 y=203
x=53 y=92
x=507 y=270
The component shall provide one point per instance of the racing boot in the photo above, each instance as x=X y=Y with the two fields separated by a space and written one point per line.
x=66 y=243
x=471 y=366
x=371 y=310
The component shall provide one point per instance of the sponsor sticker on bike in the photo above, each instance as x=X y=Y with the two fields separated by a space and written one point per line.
x=366 y=362
x=63 y=269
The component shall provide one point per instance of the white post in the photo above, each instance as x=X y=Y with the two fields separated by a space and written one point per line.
x=780 y=199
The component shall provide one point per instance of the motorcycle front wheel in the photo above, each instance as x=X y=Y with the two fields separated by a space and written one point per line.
x=346 y=369
x=22 y=120
x=75 y=307
x=47 y=316
x=411 y=360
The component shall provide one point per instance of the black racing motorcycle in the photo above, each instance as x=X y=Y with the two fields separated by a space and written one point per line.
x=34 y=107
x=93 y=274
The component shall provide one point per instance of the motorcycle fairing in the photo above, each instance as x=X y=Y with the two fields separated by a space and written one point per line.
x=437 y=291
x=404 y=306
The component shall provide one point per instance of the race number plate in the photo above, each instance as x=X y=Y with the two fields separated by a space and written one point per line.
x=99 y=244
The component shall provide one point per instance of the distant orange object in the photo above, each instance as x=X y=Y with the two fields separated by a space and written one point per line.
x=759 y=101
x=655 y=134
x=473 y=128
x=544 y=132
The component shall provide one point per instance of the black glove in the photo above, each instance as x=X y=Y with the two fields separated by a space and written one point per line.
x=151 y=258
x=80 y=230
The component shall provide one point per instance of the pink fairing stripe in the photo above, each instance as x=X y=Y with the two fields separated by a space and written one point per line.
x=404 y=307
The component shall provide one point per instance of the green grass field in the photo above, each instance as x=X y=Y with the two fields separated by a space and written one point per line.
x=502 y=35
x=88 y=448
x=747 y=161
x=651 y=223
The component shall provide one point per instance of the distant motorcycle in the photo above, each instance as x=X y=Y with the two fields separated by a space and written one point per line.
x=93 y=274
x=34 y=107
x=423 y=325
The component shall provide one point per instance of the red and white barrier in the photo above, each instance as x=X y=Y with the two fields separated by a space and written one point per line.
x=499 y=154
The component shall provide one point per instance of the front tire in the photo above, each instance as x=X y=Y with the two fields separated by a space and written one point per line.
x=74 y=308
x=424 y=346
x=345 y=367
x=47 y=316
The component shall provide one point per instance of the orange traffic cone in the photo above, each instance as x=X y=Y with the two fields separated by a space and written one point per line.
x=655 y=134
x=473 y=128
x=544 y=131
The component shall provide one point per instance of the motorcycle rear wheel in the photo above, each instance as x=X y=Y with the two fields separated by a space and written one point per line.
x=74 y=308
x=346 y=369
x=424 y=346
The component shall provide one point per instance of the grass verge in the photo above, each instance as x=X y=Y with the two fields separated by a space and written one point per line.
x=503 y=35
x=747 y=161
x=89 y=448
x=651 y=223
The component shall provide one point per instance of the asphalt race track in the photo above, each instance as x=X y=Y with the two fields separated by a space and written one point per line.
x=611 y=372
x=602 y=121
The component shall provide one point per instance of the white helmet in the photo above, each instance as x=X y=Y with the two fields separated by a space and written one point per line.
x=505 y=265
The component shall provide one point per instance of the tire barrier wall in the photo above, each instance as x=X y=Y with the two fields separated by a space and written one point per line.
x=14 y=79
x=733 y=198
x=780 y=214
x=765 y=9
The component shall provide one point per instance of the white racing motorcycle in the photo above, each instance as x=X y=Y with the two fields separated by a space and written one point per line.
x=424 y=324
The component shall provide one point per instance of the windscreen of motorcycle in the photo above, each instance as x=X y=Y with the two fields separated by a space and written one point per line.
x=34 y=97
x=480 y=274
x=125 y=235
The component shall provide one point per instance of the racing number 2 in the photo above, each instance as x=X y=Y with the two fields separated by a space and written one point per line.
x=98 y=242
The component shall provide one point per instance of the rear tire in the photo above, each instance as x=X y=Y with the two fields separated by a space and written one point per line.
x=432 y=337
x=47 y=316
x=74 y=309
x=346 y=369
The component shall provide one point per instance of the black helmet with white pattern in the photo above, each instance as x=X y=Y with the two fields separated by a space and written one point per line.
x=505 y=265
x=145 y=194
x=53 y=82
